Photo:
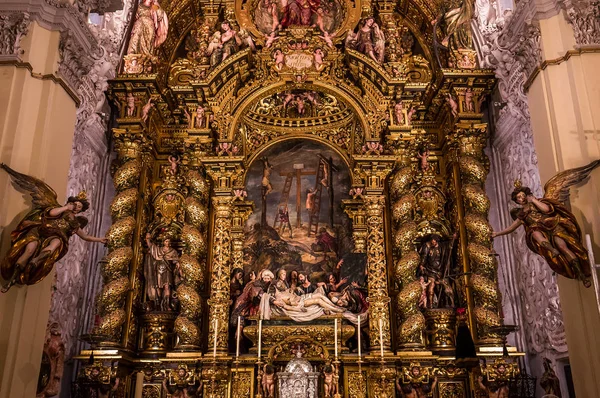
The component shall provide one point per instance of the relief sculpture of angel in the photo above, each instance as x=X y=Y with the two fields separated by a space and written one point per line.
x=42 y=237
x=551 y=229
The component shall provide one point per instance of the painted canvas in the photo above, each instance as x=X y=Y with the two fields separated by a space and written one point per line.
x=298 y=245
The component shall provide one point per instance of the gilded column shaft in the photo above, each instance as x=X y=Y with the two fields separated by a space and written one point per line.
x=116 y=265
x=221 y=260
x=470 y=172
x=379 y=313
x=411 y=320
x=192 y=262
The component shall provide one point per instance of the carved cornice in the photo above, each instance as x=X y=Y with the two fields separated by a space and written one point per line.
x=77 y=43
x=58 y=80
x=558 y=61
x=54 y=15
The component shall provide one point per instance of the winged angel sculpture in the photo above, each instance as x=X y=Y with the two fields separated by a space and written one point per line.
x=551 y=229
x=42 y=237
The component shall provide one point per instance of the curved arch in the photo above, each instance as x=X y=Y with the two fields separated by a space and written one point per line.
x=348 y=97
x=306 y=137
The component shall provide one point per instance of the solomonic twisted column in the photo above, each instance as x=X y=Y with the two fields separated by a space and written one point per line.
x=411 y=320
x=193 y=260
x=131 y=148
x=470 y=169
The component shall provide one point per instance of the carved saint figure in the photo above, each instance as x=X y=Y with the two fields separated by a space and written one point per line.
x=159 y=270
x=457 y=25
x=369 y=40
x=551 y=229
x=435 y=268
x=549 y=381
x=149 y=29
x=42 y=236
x=227 y=42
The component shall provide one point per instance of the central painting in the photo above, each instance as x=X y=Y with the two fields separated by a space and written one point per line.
x=298 y=250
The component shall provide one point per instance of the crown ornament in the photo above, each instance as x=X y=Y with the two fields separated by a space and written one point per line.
x=518 y=184
x=82 y=195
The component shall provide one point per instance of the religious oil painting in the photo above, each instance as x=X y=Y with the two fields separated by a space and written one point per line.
x=298 y=244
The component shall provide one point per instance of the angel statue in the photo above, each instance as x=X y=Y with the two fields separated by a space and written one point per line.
x=551 y=229
x=369 y=40
x=42 y=237
x=149 y=29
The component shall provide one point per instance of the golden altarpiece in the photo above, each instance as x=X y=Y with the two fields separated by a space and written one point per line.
x=289 y=174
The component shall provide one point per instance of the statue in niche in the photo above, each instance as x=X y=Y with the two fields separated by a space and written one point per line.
x=549 y=381
x=149 y=29
x=551 y=229
x=369 y=40
x=160 y=269
x=42 y=236
x=456 y=26
x=434 y=268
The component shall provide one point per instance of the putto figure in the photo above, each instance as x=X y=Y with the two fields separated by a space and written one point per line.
x=42 y=237
x=551 y=229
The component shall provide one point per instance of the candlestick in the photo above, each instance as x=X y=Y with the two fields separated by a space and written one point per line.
x=215 y=339
x=259 y=338
x=335 y=332
x=239 y=332
x=359 y=338
x=381 y=336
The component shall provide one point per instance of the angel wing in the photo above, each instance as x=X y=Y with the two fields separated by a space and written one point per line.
x=41 y=194
x=557 y=187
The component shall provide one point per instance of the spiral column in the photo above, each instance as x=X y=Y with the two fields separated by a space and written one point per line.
x=470 y=167
x=116 y=267
x=193 y=259
x=411 y=322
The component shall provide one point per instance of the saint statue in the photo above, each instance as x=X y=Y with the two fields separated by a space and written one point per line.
x=42 y=237
x=551 y=229
x=434 y=269
x=369 y=40
x=149 y=29
x=159 y=269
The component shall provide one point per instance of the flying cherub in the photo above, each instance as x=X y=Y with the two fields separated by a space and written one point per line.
x=551 y=229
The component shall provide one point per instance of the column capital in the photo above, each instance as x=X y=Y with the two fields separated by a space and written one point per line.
x=374 y=172
x=225 y=173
